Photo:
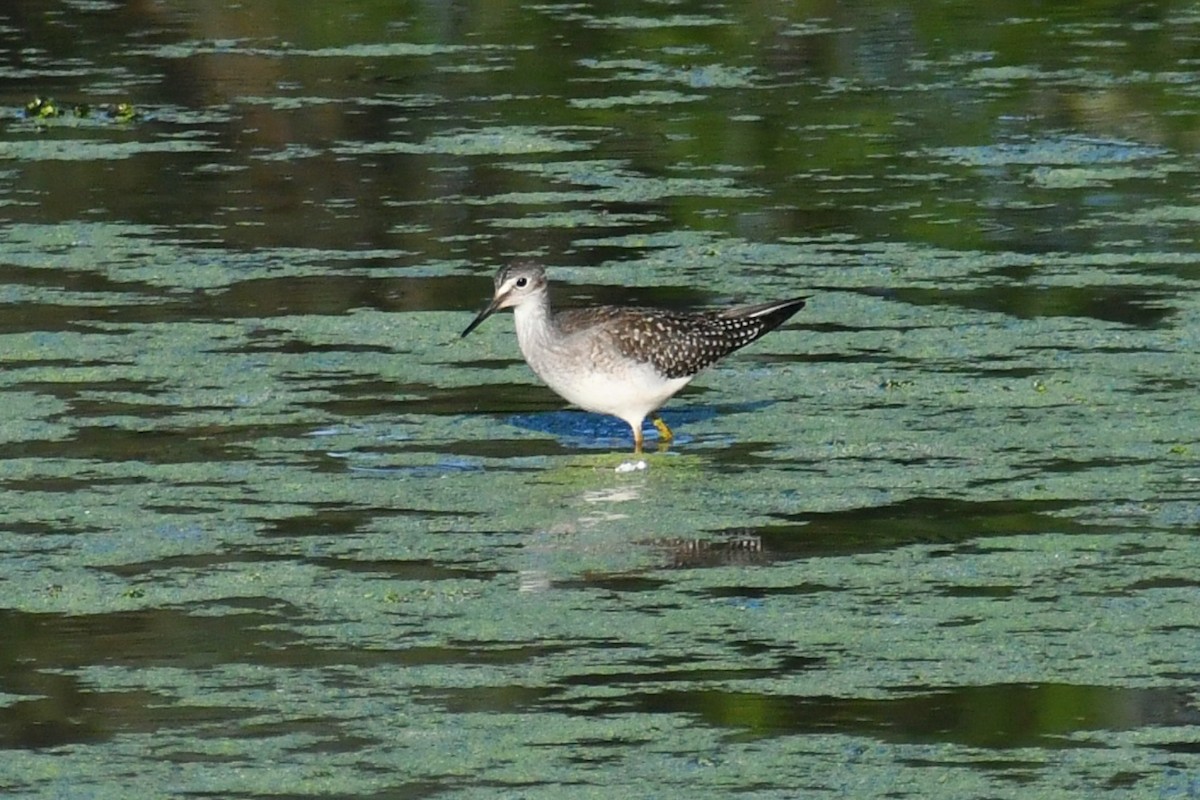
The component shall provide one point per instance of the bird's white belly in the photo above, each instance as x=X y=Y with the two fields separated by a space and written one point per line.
x=630 y=393
x=587 y=369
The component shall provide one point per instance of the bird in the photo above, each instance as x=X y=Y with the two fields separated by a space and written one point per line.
x=624 y=361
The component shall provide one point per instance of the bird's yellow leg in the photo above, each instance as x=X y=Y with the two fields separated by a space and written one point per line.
x=664 y=433
x=637 y=441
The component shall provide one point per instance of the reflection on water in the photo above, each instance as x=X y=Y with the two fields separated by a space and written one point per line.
x=271 y=527
x=977 y=716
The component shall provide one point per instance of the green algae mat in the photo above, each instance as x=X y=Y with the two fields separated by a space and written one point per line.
x=270 y=529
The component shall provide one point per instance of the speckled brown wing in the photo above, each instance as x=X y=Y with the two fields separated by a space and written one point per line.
x=680 y=344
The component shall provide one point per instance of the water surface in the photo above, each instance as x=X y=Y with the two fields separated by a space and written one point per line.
x=271 y=528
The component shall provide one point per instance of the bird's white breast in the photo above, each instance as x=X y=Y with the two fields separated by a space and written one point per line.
x=584 y=369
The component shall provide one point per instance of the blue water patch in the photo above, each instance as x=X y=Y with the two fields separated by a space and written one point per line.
x=601 y=432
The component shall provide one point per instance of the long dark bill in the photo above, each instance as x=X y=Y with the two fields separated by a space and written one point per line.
x=487 y=312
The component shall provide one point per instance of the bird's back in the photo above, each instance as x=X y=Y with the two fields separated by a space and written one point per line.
x=677 y=344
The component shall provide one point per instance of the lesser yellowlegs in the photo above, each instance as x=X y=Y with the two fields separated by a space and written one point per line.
x=619 y=360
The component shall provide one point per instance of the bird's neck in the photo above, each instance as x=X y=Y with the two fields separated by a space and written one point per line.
x=534 y=323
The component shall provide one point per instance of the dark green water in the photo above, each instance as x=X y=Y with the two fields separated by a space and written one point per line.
x=271 y=529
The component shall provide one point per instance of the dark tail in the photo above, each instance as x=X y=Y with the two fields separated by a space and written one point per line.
x=769 y=315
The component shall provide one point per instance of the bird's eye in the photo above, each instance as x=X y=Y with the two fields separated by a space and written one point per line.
x=521 y=282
